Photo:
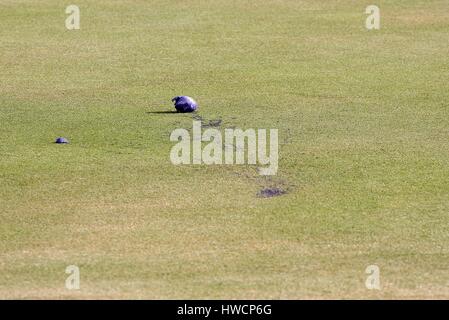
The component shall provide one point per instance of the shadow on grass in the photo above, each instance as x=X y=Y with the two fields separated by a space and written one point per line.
x=161 y=112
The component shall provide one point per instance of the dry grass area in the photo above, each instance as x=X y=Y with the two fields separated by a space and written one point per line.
x=363 y=119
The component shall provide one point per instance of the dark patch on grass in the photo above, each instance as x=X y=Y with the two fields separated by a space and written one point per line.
x=271 y=192
x=212 y=123
x=207 y=123
x=162 y=112
x=197 y=117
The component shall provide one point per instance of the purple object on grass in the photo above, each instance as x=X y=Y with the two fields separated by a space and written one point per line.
x=61 y=140
x=184 y=104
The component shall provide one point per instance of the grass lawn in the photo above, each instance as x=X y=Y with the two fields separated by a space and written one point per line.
x=363 y=120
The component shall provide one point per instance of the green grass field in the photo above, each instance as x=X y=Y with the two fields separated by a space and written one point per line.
x=363 y=120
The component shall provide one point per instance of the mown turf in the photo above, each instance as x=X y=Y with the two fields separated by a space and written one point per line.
x=363 y=119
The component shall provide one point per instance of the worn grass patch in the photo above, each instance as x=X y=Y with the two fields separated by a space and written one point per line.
x=363 y=120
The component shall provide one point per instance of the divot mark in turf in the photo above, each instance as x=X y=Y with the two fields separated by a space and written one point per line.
x=207 y=123
x=271 y=192
x=212 y=123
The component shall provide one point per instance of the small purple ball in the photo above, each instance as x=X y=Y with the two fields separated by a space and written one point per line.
x=184 y=104
x=61 y=140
